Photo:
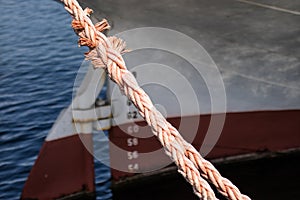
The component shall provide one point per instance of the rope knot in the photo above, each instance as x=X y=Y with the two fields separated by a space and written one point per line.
x=118 y=47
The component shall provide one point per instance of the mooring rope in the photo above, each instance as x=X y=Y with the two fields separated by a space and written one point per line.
x=106 y=52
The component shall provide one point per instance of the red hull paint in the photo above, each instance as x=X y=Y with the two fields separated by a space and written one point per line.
x=64 y=166
x=243 y=133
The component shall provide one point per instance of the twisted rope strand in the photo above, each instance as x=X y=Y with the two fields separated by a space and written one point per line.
x=209 y=172
x=106 y=52
x=159 y=126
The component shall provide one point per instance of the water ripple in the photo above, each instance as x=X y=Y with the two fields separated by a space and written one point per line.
x=39 y=59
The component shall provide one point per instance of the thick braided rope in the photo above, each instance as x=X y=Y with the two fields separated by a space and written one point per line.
x=117 y=71
x=184 y=155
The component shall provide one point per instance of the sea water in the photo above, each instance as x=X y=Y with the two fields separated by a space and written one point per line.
x=39 y=60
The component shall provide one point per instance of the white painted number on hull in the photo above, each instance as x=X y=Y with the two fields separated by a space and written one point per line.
x=132 y=129
x=132 y=155
x=132 y=142
x=133 y=167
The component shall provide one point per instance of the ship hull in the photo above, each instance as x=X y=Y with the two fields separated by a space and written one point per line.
x=261 y=176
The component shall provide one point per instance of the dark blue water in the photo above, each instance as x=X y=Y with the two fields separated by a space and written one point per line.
x=39 y=59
